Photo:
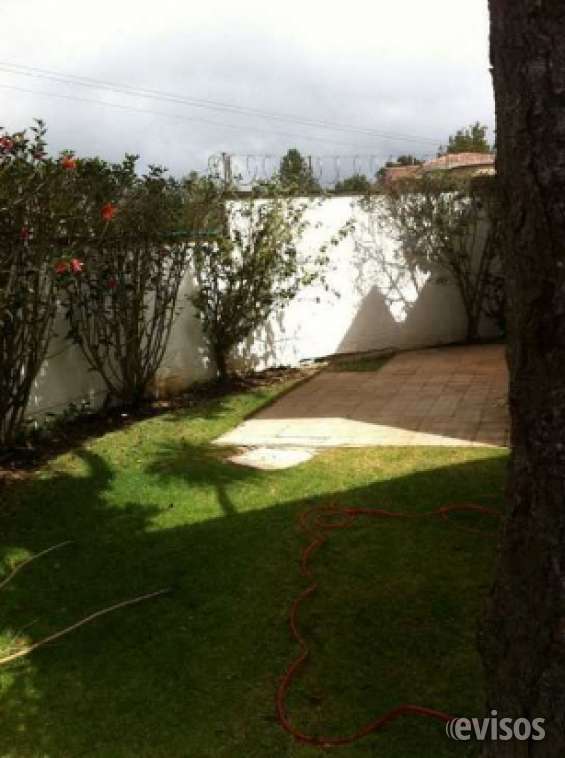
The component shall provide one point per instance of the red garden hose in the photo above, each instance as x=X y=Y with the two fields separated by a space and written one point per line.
x=318 y=524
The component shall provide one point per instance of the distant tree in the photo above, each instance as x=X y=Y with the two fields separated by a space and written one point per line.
x=355 y=183
x=472 y=139
x=408 y=160
x=203 y=215
x=402 y=160
x=296 y=175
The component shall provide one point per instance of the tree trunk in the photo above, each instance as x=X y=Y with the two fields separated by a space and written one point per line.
x=472 y=334
x=522 y=637
x=221 y=363
x=472 y=314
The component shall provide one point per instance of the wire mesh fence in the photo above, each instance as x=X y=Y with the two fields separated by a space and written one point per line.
x=330 y=172
x=327 y=170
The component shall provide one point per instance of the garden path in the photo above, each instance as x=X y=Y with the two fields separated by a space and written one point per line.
x=452 y=396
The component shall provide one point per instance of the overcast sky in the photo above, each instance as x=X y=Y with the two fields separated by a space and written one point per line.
x=397 y=68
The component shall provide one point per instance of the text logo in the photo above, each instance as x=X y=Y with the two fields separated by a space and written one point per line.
x=495 y=728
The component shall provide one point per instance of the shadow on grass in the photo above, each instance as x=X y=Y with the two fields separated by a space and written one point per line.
x=194 y=673
x=201 y=466
x=205 y=403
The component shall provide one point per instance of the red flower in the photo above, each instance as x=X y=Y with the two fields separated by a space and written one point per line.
x=112 y=283
x=24 y=233
x=108 y=211
x=69 y=162
x=6 y=143
x=76 y=265
x=61 y=267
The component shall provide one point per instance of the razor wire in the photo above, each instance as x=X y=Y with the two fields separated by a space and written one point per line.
x=245 y=170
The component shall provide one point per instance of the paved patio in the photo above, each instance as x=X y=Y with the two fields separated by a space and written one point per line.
x=441 y=396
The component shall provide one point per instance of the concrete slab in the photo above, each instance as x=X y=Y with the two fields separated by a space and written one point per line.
x=272 y=458
x=441 y=396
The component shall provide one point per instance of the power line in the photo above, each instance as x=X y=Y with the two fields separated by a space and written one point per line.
x=195 y=102
x=175 y=116
x=36 y=72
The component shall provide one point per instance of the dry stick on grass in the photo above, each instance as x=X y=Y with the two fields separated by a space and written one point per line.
x=30 y=648
x=21 y=565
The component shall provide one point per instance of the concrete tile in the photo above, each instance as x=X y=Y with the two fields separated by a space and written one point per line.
x=440 y=396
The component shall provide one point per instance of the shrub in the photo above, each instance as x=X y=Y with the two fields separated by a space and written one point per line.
x=247 y=264
x=99 y=239
x=38 y=204
x=121 y=308
x=353 y=184
x=441 y=225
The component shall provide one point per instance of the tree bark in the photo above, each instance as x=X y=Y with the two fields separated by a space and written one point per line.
x=221 y=363
x=522 y=637
x=472 y=333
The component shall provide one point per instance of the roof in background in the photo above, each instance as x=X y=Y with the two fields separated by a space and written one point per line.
x=458 y=160
x=447 y=162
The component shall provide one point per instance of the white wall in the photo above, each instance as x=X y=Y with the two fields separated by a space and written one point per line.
x=65 y=376
x=381 y=305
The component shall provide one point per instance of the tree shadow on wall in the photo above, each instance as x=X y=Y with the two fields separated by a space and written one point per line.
x=405 y=306
x=262 y=348
x=378 y=257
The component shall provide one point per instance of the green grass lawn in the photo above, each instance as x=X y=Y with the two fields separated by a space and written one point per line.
x=194 y=673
